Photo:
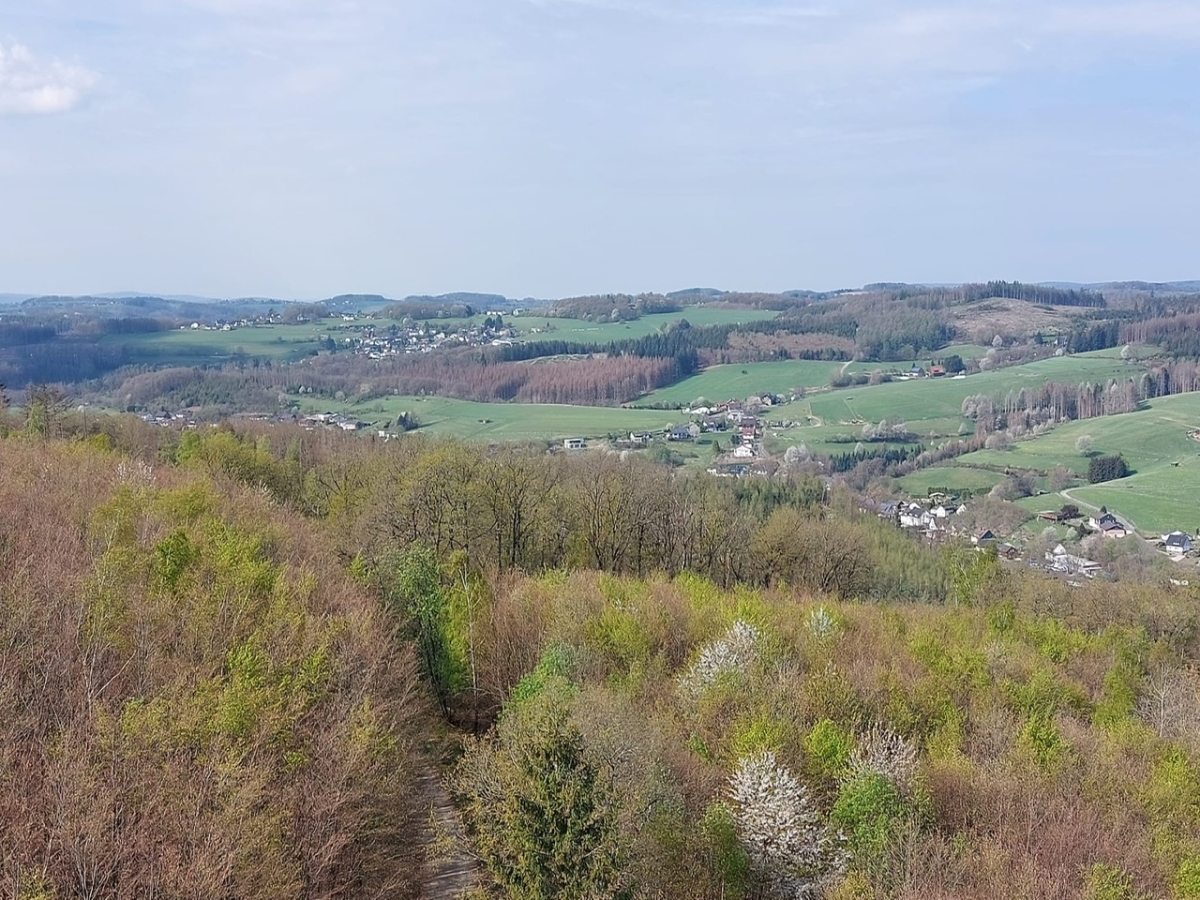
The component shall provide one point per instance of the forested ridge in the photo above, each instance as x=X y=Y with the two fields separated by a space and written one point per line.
x=223 y=651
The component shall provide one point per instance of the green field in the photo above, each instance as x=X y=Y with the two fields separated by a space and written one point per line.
x=941 y=398
x=1161 y=496
x=954 y=480
x=602 y=332
x=738 y=381
x=188 y=346
x=508 y=421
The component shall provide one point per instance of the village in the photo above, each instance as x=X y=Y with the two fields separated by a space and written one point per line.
x=938 y=518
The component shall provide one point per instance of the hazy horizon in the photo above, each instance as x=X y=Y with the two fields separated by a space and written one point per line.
x=549 y=148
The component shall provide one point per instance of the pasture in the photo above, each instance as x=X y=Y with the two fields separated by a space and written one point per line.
x=741 y=380
x=189 y=346
x=1159 y=497
x=580 y=331
x=507 y=421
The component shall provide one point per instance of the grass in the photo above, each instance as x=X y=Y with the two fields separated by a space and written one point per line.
x=1159 y=497
x=966 y=351
x=941 y=398
x=954 y=479
x=185 y=346
x=738 y=381
x=508 y=421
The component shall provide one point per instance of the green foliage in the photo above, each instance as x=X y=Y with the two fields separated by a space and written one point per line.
x=973 y=573
x=727 y=856
x=1044 y=694
x=1107 y=468
x=557 y=666
x=700 y=747
x=757 y=732
x=173 y=556
x=873 y=814
x=412 y=586
x=827 y=748
x=540 y=810
x=1105 y=882
x=1173 y=792
x=620 y=637
x=1118 y=701
x=1041 y=738
x=1054 y=639
x=967 y=669
x=1187 y=879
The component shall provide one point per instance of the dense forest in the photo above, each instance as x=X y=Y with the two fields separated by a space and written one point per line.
x=224 y=652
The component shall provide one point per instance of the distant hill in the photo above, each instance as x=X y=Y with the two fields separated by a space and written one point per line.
x=697 y=293
x=479 y=301
x=366 y=302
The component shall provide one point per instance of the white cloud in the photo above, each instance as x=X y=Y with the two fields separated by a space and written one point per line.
x=32 y=86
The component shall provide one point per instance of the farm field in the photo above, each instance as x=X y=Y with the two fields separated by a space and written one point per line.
x=1162 y=494
x=264 y=341
x=941 y=398
x=931 y=407
x=555 y=329
x=741 y=380
x=507 y=421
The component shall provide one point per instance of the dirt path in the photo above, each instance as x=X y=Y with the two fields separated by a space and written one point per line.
x=1083 y=504
x=456 y=872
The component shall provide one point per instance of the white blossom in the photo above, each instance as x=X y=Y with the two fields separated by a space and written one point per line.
x=883 y=752
x=135 y=471
x=734 y=652
x=791 y=849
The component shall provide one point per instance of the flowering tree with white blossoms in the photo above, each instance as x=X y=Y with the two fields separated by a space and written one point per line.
x=734 y=652
x=883 y=752
x=789 y=846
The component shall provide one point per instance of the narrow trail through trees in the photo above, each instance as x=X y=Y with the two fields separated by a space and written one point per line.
x=452 y=872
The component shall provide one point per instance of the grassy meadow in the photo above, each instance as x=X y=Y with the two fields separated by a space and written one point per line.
x=1161 y=494
x=507 y=421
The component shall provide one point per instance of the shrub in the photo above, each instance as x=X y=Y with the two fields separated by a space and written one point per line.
x=1106 y=882
x=789 y=847
x=726 y=854
x=1187 y=879
x=1041 y=738
x=871 y=810
x=828 y=748
x=732 y=654
x=885 y=753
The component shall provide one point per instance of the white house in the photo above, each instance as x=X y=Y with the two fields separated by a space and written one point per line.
x=1177 y=543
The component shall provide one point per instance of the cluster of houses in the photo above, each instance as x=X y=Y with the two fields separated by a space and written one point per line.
x=932 y=521
x=332 y=420
x=271 y=318
x=423 y=337
x=170 y=420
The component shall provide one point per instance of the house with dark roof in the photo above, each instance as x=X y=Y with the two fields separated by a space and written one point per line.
x=1109 y=525
x=1177 y=543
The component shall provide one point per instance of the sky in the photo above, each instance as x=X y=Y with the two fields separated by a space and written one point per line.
x=548 y=148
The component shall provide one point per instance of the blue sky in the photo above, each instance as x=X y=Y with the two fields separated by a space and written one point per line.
x=296 y=148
